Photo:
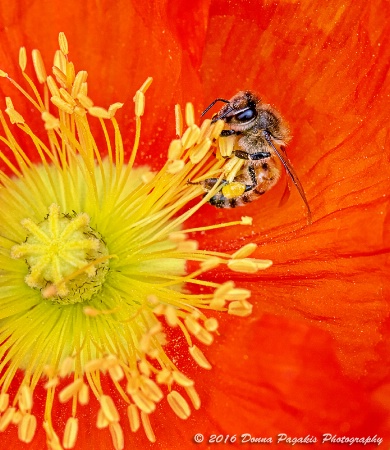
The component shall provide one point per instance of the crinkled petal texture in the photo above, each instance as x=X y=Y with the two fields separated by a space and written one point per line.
x=318 y=360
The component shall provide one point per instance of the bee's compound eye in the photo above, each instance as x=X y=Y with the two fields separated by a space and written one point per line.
x=245 y=116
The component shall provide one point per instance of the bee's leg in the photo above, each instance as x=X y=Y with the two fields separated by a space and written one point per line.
x=252 y=156
x=259 y=155
x=225 y=133
x=240 y=154
x=219 y=199
x=252 y=174
x=208 y=184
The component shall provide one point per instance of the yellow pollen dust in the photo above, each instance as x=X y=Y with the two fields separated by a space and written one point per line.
x=94 y=256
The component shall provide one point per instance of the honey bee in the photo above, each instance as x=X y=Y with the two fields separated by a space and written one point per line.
x=261 y=139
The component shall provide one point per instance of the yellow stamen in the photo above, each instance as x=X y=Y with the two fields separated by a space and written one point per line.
x=69 y=391
x=101 y=421
x=193 y=396
x=175 y=149
x=190 y=136
x=199 y=357
x=70 y=433
x=84 y=395
x=94 y=256
x=240 y=308
x=25 y=399
x=178 y=120
x=6 y=418
x=39 y=66
x=27 y=427
x=190 y=114
x=200 y=151
x=133 y=415
x=179 y=405
x=63 y=42
x=22 y=58
x=176 y=166
x=4 y=401
x=109 y=409
x=226 y=145
x=66 y=367
x=117 y=435
x=147 y=427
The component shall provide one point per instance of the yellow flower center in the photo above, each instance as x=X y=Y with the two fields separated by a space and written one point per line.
x=66 y=258
x=93 y=256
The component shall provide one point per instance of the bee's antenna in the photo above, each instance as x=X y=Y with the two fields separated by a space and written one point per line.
x=213 y=103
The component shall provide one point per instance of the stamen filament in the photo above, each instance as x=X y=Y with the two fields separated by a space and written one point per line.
x=94 y=253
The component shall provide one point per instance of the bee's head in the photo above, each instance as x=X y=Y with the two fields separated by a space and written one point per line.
x=240 y=111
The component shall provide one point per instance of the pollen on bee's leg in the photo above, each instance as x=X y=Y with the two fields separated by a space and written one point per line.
x=233 y=189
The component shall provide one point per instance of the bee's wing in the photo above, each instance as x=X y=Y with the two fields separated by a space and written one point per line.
x=286 y=180
x=289 y=169
x=286 y=193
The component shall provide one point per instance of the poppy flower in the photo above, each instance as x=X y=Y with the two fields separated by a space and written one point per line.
x=311 y=360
